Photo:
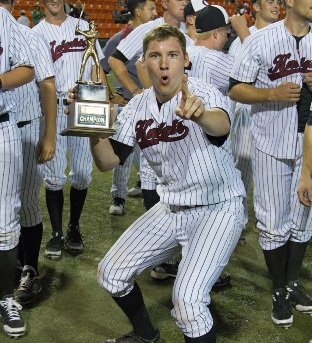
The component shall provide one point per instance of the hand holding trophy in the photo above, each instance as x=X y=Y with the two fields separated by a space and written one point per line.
x=89 y=115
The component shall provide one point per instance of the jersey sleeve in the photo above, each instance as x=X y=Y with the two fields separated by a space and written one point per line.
x=247 y=64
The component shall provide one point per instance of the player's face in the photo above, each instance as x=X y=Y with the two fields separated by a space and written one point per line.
x=53 y=6
x=302 y=9
x=175 y=8
x=147 y=12
x=269 y=10
x=165 y=62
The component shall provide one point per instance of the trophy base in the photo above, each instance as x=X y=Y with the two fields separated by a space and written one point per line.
x=88 y=132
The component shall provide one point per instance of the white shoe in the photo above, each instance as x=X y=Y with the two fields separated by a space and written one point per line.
x=117 y=208
x=134 y=191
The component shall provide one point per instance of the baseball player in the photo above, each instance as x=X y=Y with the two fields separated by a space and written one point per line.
x=142 y=11
x=16 y=69
x=180 y=126
x=67 y=50
x=268 y=75
x=37 y=148
x=266 y=13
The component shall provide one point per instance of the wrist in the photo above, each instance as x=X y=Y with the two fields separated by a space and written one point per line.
x=135 y=91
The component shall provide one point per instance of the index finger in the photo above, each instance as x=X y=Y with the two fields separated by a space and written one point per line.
x=184 y=87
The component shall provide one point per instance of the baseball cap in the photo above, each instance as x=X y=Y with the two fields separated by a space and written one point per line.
x=37 y=4
x=23 y=12
x=210 y=18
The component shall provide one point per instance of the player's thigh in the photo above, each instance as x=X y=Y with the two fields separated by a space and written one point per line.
x=11 y=173
x=32 y=178
x=80 y=162
x=272 y=191
x=208 y=239
x=149 y=241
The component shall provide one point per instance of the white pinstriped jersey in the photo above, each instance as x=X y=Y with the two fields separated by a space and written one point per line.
x=133 y=44
x=14 y=51
x=67 y=49
x=267 y=58
x=211 y=66
x=190 y=170
x=28 y=104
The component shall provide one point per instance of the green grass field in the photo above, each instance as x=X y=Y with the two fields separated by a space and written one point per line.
x=72 y=307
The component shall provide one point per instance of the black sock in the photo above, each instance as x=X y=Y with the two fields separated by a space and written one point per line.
x=55 y=203
x=276 y=262
x=77 y=200
x=209 y=337
x=20 y=254
x=32 y=237
x=8 y=260
x=150 y=198
x=295 y=255
x=134 y=308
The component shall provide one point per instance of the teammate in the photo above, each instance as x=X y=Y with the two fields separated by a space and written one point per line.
x=67 y=50
x=176 y=124
x=36 y=149
x=267 y=74
x=266 y=12
x=142 y=11
x=16 y=69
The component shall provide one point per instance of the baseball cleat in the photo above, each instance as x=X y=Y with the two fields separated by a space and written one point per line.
x=55 y=245
x=74 y=239
x=117 y=208
x=281 y=308
x=29 y=287
x=299 y=298
x=132 y=338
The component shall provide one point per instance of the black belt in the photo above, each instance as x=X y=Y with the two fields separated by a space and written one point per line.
x=23 y=123
x=64 y=102
x=4 y=117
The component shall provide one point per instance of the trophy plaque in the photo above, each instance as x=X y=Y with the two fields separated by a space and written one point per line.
x=90 y=114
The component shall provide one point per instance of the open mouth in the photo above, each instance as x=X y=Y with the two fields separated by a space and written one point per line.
x=164 y=80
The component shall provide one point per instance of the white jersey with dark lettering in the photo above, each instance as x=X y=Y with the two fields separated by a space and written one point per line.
x=267 y=58
x=132 y=45
x=14 y=52
x=190 y=170
x=67 y=48
x=200 y=206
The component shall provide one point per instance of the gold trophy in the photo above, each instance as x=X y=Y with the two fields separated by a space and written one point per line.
x=89 y=114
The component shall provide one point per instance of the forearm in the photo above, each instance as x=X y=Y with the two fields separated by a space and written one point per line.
x=17 y=77
x=49 y=105
x=122 y=74
x=248 y=94
x=143 y=75
x=215 y=122
x=103 y=154
x=307 y=152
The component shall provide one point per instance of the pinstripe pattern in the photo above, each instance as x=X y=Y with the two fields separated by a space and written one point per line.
x=67 y=50
x=13 y=52
x=183 y=169
x=29 y=108
x=203 y=233
x=132 y=45
x=274 y=124
x=241 y=136
x=280 y=215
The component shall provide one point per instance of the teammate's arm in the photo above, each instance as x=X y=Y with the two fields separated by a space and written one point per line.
x=249 y=94
x=143 y=75
x=215 y=122
x=239 y=24
x=103 y=154
x=304 y=189
x=17 y=77
x=47 y=144
x=121 y=72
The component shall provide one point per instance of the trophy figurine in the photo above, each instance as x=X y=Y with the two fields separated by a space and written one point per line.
x=90 y=114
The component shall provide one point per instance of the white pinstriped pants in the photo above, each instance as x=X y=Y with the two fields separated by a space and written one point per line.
x=207 y=235
x=280 y=216
x=10 y=182
x=80 y=159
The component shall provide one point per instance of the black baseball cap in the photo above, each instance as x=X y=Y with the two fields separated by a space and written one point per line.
x=188 y=10
x=210 y=18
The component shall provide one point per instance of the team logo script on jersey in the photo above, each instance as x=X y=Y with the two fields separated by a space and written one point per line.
x=147 y=136
x=284 y=66
x=1 y=50
x=58 y=50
